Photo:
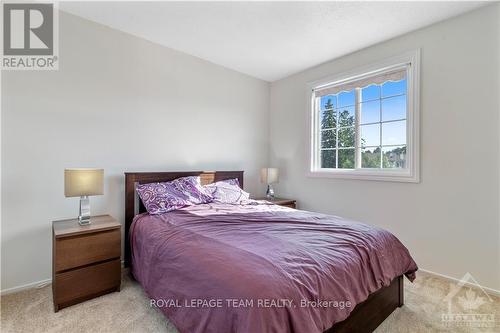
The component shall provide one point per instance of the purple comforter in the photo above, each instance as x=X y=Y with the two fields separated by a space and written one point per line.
x=261 y=268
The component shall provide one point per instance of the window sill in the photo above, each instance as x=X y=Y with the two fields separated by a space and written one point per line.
x=378 y=175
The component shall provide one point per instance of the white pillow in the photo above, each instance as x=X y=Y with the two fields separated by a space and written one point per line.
x=227 y=191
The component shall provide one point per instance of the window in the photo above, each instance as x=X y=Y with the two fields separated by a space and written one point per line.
x=365 y=123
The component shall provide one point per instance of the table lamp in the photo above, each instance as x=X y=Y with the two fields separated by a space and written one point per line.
x=83 y=183
x=269 y=176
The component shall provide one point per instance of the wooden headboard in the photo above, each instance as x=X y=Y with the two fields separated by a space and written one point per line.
x=134 y=206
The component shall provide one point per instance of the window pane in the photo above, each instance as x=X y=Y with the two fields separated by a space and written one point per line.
x=346 y=137
x=328 y=139
x=346 y=116
x=328 y=102
x=394 y=108
x=328 y=119
x=346 y=158
x=346 y=98
x=370 y=135
x=370 y=112
x=370 y=157
x=328 y=158
x=370 y=93
x=394 y=157
x=394 y=133
x=391 y=88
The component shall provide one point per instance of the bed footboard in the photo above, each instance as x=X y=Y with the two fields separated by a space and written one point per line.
x=367 y=315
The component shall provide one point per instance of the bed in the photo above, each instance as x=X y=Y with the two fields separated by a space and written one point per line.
x=261 y=267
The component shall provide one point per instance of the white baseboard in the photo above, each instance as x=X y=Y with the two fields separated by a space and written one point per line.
x=36 y=284
x=490 y=291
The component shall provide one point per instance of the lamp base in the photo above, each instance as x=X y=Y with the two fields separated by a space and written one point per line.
x=84 y=214
x=83 y=221
x=270 y=192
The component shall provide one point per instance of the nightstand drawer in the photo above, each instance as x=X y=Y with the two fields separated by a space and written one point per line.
x=84 y=249
x=87 y=282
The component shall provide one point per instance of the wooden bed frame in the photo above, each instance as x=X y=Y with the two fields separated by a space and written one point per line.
x=365 y=317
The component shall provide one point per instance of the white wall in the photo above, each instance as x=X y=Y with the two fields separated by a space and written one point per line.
x=123 y=104
x=449 y=221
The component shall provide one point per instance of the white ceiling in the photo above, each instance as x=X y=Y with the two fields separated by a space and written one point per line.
x=267 y=40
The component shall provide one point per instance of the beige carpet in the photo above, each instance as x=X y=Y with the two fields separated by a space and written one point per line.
x=129 y=311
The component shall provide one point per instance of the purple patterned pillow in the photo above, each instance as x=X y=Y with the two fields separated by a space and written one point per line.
x=227 y=191
x=160 y=198
x=192 y=188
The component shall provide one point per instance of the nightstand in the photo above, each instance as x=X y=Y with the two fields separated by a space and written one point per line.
x=281 y=202
x=85 y=260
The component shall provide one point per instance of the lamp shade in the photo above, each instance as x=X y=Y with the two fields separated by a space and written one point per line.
x=269 y=175
x=81 y=182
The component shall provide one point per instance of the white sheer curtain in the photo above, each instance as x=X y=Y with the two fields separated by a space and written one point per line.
x=391 y=75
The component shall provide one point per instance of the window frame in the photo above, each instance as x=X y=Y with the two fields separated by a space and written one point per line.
x=412 y=172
